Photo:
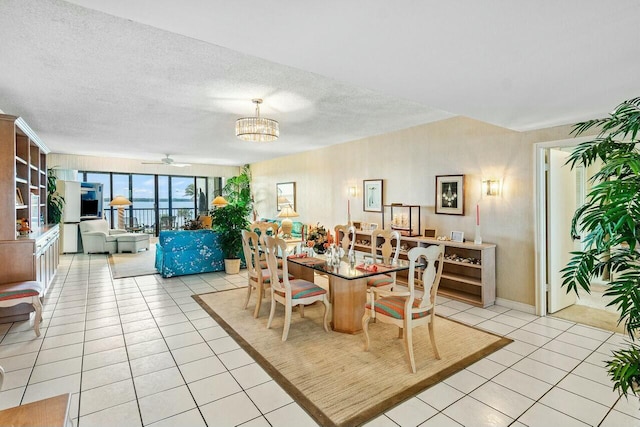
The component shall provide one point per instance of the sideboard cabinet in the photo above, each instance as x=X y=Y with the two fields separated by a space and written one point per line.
x=23 y=184
x=469 y=271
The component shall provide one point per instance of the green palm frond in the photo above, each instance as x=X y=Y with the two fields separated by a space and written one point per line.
x=609 y=220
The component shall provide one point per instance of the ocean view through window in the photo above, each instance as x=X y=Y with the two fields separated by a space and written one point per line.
x=159 y=202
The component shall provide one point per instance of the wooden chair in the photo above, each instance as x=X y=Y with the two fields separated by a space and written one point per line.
x=288 y=292
x=406 y=310
x=345 y=237
x=28 y=292
x=389 y=255
x=268 y=228
x=259 y=277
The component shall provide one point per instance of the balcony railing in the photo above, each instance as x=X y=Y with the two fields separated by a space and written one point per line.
x=144 y=219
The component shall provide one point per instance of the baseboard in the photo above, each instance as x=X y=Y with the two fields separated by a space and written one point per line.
x=515 y=305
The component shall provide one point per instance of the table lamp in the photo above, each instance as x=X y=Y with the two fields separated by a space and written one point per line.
x=120 y=202
x=287 y=225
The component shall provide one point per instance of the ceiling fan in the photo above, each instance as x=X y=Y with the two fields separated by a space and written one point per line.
x=167 y=161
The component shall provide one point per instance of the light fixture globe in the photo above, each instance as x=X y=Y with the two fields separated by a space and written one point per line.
x=257 y=129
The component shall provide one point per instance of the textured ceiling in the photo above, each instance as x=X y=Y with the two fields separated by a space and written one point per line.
x=143 y=78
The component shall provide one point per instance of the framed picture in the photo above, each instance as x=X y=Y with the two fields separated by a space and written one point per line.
x=457 y=236
x=286 y=195
x=450 y=194
x=19 y=199
x=372 y=195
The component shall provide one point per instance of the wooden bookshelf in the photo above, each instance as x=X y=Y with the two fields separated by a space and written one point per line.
x=469 y=271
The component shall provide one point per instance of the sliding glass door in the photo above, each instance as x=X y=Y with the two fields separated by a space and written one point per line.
x=158 y=202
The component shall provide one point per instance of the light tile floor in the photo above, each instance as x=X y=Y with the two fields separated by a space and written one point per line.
x=140 y=351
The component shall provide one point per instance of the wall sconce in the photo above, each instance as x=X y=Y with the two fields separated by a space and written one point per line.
x=353 y=191
x=491 y=187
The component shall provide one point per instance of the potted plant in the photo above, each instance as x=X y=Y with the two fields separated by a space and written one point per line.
x=55 y=201
x=610 y=218
x=230 y=220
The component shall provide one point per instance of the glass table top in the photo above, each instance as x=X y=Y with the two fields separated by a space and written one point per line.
x=347 y=270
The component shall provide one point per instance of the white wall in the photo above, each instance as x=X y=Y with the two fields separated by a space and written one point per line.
x=408 y=161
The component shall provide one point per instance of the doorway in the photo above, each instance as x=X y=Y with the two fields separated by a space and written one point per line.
x=559 y=191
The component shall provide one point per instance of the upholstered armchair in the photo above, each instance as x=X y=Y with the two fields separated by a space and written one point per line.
x=97 y=237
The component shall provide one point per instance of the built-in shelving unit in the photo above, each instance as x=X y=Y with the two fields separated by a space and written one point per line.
x=23 y=184
x=469 y=271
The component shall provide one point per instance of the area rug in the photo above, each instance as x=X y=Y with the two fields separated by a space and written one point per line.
x=329 y=374
x=132 y=265
x=591 y=316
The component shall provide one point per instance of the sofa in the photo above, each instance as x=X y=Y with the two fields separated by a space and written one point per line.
x=98 y=238
x=298 y=228
x=181 y=252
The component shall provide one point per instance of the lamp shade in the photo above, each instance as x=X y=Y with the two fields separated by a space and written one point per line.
x=120 y=201
x=287 y=212
x=219 y=202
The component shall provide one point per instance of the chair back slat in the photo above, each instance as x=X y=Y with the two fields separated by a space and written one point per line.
x=388 y=252
x=345 y=236
x=433 y=257
x=251 y=249
x=274 y=246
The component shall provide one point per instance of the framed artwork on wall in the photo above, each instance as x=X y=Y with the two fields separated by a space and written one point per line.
x=450 y=194
x=372 y=195
x=286 y=195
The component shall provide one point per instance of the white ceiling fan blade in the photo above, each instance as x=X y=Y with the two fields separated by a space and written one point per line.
x=168 y=161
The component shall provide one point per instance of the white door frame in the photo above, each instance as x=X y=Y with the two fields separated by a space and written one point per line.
x=540 y=217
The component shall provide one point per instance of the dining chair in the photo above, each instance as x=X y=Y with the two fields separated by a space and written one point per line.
x=290 y=293
x=258 y=277
x=406 y=309
x=389 y=255
x=268 y=228
x=345 y=237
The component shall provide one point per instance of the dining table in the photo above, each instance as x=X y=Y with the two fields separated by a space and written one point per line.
x=347 y=283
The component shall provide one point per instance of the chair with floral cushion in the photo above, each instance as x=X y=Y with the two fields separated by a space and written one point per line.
x=258 y=277
x=290 y=293
x=408 y=310
x=345 y=237
x=389 y=255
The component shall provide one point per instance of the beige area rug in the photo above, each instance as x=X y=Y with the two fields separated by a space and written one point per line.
x=132 y=265
x=329 y=374
x=591 y=316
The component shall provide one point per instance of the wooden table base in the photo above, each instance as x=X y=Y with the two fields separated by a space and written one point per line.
x=349 y=298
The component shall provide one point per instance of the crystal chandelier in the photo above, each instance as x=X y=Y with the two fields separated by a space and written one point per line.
x=257 y=128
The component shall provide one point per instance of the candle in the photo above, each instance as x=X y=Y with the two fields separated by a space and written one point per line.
x=477 y=214
x=349 y=208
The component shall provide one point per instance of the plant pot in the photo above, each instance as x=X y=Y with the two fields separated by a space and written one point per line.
x=232 y=266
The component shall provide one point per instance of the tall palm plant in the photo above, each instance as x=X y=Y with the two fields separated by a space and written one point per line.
x=610 y=217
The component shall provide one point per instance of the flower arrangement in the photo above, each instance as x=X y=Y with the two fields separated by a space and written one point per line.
x=317 y=238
